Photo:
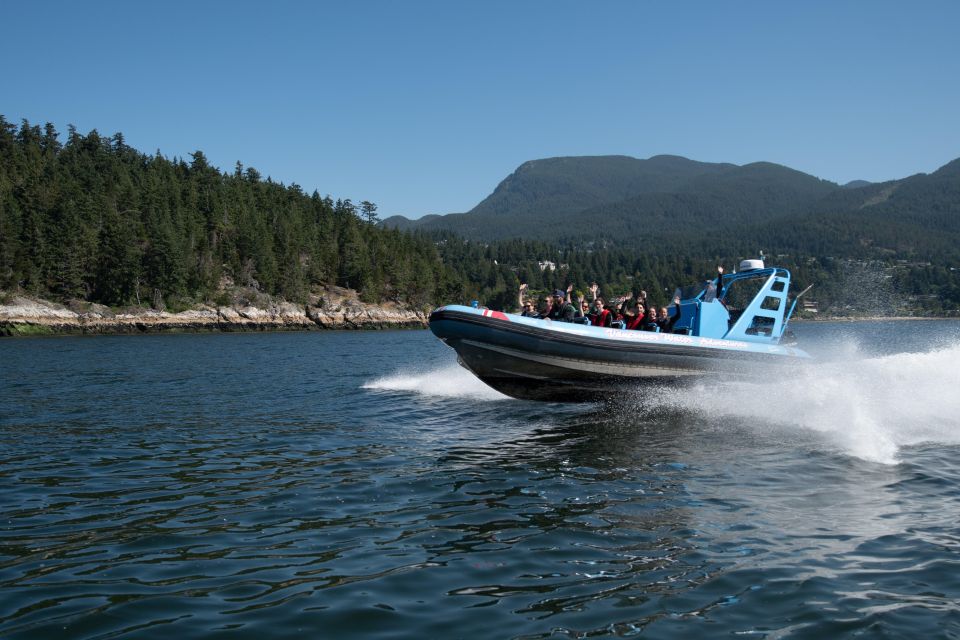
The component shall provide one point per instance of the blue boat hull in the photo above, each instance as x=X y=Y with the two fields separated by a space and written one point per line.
x=541 y=360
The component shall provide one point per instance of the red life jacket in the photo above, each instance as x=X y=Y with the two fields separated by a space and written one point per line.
x=634 y=322
x=601 y=319
x=605 y=318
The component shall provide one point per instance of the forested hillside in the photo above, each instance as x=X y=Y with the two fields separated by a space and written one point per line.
x=677 y=203
x=90 y=218
x=556 y=188
x=621 y=200
x=94 y=219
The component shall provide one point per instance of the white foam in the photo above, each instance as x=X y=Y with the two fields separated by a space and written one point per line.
x=447 y=382
x=869 y=407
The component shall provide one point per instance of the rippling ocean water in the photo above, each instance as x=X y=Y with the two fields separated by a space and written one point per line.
x=363 y=485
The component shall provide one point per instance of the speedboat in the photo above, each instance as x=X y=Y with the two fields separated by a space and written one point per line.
x=733 y=327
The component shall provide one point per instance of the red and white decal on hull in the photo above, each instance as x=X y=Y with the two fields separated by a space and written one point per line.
x=499 y=315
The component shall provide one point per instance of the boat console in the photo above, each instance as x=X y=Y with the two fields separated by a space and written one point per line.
x=749 y=305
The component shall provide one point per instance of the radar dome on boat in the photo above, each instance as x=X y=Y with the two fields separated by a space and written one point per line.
x=750 y=265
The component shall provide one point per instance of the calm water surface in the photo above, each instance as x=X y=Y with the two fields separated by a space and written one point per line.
x=363 y=485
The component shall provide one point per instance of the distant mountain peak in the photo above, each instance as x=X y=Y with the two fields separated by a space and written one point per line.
x=951 y=168
x=622 y=199
x=668 y=156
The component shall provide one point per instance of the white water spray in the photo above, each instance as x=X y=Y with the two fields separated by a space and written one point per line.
x=447 y=382
x=869 y=407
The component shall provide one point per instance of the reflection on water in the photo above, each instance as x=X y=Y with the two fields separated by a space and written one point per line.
x=291 y=484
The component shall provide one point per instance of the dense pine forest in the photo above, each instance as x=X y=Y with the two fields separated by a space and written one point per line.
x=90 y=218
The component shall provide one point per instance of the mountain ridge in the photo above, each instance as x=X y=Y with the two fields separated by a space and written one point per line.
x=619 y=200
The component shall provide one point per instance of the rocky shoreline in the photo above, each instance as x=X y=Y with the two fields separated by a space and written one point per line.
x=336 y=309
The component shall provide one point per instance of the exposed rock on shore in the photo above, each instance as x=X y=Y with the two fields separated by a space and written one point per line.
x=335 y=309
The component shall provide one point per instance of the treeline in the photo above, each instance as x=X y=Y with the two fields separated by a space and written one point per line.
x=842 y=285
x=91 y=218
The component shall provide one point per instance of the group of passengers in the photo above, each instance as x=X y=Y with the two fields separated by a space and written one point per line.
x=635 y=312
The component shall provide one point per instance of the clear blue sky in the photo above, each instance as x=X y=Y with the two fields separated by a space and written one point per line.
x=423 y=107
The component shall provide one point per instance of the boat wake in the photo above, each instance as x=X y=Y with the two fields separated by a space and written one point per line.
x=446 y=382
x=869 y=407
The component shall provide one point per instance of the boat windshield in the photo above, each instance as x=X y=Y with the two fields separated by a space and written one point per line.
x=742 y=291
x=738 y=289
x=691 y=291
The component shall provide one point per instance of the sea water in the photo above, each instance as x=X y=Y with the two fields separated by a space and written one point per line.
x=364 y=485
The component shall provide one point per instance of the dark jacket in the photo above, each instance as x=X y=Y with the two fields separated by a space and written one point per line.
x=649 y=325
x=564 y=312
x=666 y=326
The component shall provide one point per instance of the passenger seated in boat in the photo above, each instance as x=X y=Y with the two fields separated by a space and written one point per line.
x=581 y=307
x=584 y=311
x=599 y=315
x=526 y=306
x=616 y=320
x=615 y=309
x=596 y=303
x=633 y=315
x=643 y=300
x=594 y=291
x=663 y=317
x=665 y=321
x=546 y=308
x=649 y=322
x=615 y=315
x=561 y=311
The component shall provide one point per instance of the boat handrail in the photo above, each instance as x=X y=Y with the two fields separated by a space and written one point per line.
x=756 y=322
